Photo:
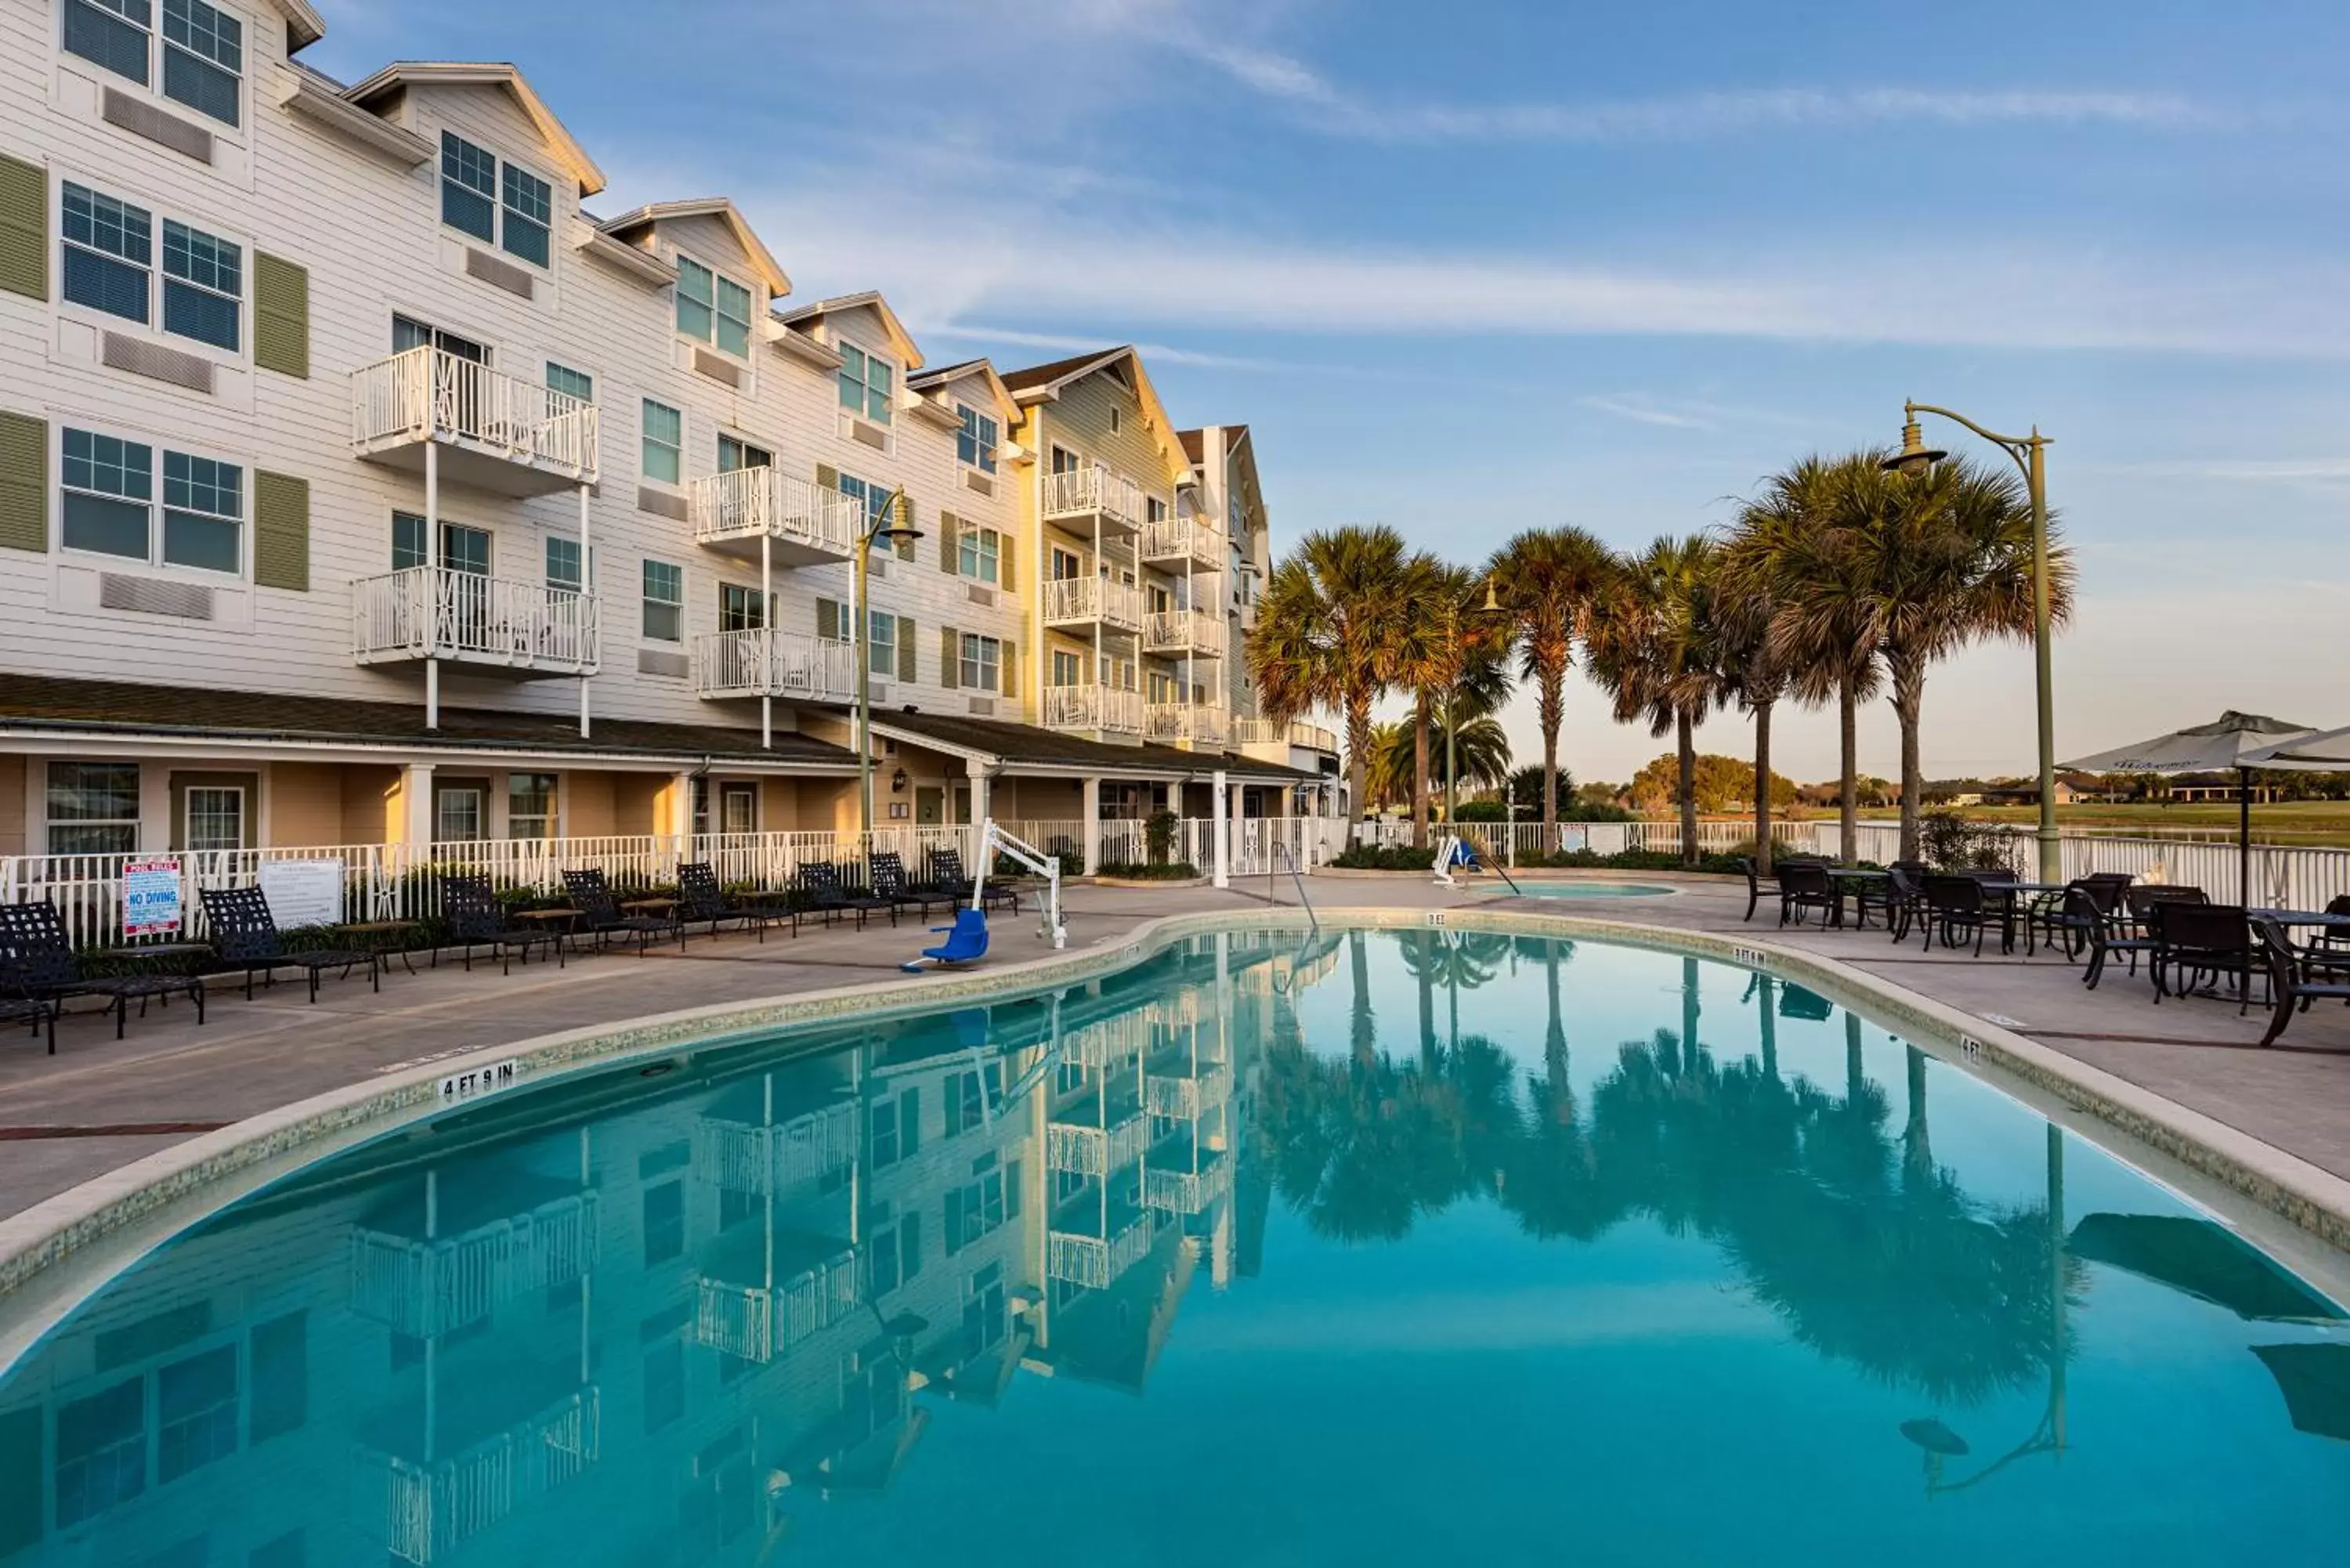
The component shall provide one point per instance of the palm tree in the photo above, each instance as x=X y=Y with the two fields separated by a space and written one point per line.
x=1480 y=751
x=1756 y=676
x=1449 y=653
x=1325 y=633
x=1822 y=633
x=1549 y=580
x=1389 y=775
x=1658 y=649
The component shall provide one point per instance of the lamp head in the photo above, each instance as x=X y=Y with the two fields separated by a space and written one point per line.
x=901 y=520
x=1492 y=605
x=1915 y=456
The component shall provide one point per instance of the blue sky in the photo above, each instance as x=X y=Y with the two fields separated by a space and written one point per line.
x=1474 y=268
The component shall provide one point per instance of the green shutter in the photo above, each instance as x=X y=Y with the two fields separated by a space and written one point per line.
x=1004 y=563
x=949 y=545
x=950 y=657
x=24 y=228
x=906 y=649
x=827 y=621
x=1007 y=677
x=281 y=531
x=281 y=316
x=24 y=484
x=827 y=476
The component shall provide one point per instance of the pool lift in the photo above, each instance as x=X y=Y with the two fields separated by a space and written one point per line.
x=1457 y=851
x=967 y=938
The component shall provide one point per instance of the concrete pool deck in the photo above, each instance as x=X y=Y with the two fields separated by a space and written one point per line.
x=101 y=1104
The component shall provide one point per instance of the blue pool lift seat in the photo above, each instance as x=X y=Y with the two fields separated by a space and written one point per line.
x=966 y=942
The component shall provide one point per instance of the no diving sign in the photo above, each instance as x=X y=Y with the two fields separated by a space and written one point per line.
x=480 y=1081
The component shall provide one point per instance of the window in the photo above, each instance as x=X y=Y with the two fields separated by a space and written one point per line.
x=713 y=308
x=462 y=549
x=664 y=1371
x=407 y=334
x=530 y=806
x=468 y=188
x=407 y=548
x=979 y=552
x=976 y=1209
x=664 y=1221
x=108 y=253
x=738 y=808
x=740 y=608
x=1067 y=566
x=215 y=818
x=195 y=1412
x=881 y=643
x=983 y=660
x=970 y=1093
x=664 y=617
x=1068 y=668
x=1153 y=509
x=110 y=33
x=457 y=814
x=108 y=504
x=529 y=213
x=975 y=443
x=1117 y=422
x=93 y=808
x=203 y=280
x=984 y=1317
x=563 y=564
x=1066 y=461
x=664 y=452
x=909 y=1245
x=733 y=454
x=101 y=1453
x=203 y=53
x=865 y=384
x=571 y=383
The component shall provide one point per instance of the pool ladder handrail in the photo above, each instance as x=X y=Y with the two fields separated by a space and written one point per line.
x=1273 y=860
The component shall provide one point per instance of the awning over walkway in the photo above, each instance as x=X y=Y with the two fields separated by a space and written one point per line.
x=1024 y=748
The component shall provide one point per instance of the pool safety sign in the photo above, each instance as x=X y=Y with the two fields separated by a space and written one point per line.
x=303 y=892
x=480 y=1081
x=151 y=897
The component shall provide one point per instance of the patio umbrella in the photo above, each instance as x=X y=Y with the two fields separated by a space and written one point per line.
x=2315 y=1382
x=2205 y=1261
x=2230 y=742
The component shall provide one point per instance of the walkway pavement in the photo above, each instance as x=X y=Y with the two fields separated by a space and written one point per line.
x=99 y=1104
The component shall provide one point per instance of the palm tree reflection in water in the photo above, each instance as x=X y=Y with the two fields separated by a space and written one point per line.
x=1868 y=1251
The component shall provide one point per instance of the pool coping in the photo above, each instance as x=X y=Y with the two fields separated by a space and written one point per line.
x=58 y=1250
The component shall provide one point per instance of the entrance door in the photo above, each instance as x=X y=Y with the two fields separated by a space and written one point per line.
x=930 y=806
x=738 y=808
x=465 y=609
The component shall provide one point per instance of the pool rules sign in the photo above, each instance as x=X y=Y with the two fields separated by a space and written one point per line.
x=151 y=897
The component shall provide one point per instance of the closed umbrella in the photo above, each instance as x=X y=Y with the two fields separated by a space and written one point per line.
x=2232 y=740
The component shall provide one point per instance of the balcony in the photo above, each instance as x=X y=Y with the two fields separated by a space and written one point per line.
x=743 y=1157
x=1176 y=1191
x=424 y=1287
x=765 y=662
x=431 y=1506
x=1183 y=721
x=1106 y=1041
x=1104 y=708
x=1185 y=633
x=1182 y=541
x=760 y=1324
x=1185 y=1097
x=1081 y=601
x=1097 y=1150
x=494 y=432
x=1085 y=494
x=1093 y=1262
x=802 y=522
x=528 y=630
x=1265 y=732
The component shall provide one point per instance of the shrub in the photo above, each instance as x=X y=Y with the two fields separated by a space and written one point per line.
x=1950 y=842
x=1482 y=811
x=1158 y=836
x=1155 y=871
x=1385 y=857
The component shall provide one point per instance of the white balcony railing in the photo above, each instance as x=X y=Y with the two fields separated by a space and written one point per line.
x=1117 y=1038
x=1184 y=631
x=1076 y=601
x=1184 y=1098
x=430 y=1509
x=1186 y=1191
x=1093 y=1263
x=745 y=1158
x=760 y=1325
x=427 y=394
x=749 y=502
x=1182 y=539
x=1085 y=491
x=1096 y=1151
x=1184 y=722
x=1265 y=732
x=427 y=1288
x=440 y=612
x=765 y=662
x=1093 y=708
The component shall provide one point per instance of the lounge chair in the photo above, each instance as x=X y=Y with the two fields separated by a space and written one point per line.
x=702 y=900
x=948 y=877
x=476 y=920
x=244 y=934
x=889 y=881
x=2294 y=984
x=821 y=885
x=600 y=914
x=37 y=966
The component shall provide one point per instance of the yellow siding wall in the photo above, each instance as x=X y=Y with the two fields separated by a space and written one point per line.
x=374 y=795
x=636 y=802
x=1039 y=800
x=306 y=804
x=588 y=804
x=13 y=773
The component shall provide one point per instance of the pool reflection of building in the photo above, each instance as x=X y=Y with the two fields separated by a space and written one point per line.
x=703 y=1298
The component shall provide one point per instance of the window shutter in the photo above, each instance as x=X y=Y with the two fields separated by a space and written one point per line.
x=906 y=650
x=950 y=657
x=281 y=531
x=950 y=547
x=827 y=621
x=281 y=316
x=24 y=228
x=827 y=476
x=1004 y=575
x=24 y=484
x=1007 y=677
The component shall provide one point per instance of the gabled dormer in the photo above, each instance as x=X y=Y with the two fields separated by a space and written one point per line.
x=875 y=354
x=982 y=412
x=726 y=282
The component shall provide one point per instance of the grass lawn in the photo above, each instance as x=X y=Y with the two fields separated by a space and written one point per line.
x=2286 y=821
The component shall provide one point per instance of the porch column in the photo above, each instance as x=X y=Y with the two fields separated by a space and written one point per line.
x=1235 y=795
x=978 y=782
x=681 y=810
x=591 y=608
x=1091 y=786
x=1219 y=791
x=432 y=585
x=416 y=808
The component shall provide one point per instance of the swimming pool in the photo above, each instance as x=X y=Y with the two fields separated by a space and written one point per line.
x=1426 y=1246
x=1532 y=889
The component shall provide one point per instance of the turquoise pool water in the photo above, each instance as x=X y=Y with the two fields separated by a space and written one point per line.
x=1421 y=1247
x=1534 y=889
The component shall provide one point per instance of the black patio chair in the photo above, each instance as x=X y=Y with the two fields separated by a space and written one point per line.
x=601 y=917
x=2292 y=984
x=1905 y=899
x=476 y=920
x=2061 y=919
x=2139 y=900
x=1956 y=906
x=1757 y=880
x=889 y=881
x=1805 y=885
x=39 y=1010
x=245 y=935
x=2201 y=942
x=2112 y=931
x=39 y=969
x=948 y=877
x=701 y=900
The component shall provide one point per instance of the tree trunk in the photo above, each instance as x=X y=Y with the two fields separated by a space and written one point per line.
x=1419 y=773
x=1908 y=702
x=1552 y=705
x=1685 y=735
x=1561 y=1103
x=1848 y=811
x=1762 y=788
x=1426 y=943
x=1359 y=759
x=1361 y=1033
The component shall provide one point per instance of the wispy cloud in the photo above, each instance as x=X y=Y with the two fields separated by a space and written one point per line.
x=1682 y=413
x=1164 y=353
x=2255 y=471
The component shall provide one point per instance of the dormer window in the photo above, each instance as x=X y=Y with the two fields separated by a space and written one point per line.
x=864 y=382
x=204 y=48
x=474 y=200
x=975 y=443
x=712 y=308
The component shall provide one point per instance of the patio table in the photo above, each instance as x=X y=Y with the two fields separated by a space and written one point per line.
x=2007 y=890
x=1860 y=876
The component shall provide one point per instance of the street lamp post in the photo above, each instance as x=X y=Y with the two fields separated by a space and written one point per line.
x=1453 y=653
x=895 y=523
x=2030 y=455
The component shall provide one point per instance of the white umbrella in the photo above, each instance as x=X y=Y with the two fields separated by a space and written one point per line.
x=2238 y=741
x=2318 y=750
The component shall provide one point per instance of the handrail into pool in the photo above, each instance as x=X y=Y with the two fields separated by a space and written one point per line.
x=54 y=1253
